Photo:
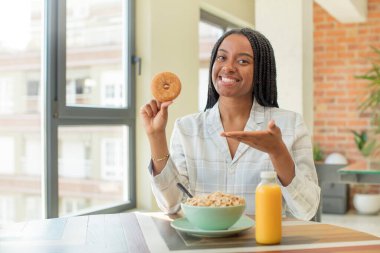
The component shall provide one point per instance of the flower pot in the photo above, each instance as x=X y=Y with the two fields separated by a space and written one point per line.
x=367 y=203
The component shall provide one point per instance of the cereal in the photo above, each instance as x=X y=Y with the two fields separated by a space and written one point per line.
x=216 y=199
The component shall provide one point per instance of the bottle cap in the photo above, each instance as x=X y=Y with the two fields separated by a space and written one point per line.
x=268 y=174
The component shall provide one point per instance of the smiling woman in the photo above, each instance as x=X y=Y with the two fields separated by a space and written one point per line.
x=241 y=133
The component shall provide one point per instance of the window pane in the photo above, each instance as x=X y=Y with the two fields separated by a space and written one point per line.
x=93 y=166
x=20 y=128
x=94 y=43
x=208 y=35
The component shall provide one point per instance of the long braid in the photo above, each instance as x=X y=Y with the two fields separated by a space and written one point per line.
x=264 y=81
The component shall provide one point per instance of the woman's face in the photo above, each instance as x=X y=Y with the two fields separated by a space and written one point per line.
x=232 y=72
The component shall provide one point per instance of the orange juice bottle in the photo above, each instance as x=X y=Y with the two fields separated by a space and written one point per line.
x=268 y=209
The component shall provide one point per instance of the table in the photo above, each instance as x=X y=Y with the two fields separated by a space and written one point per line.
x=331 y=174
x=358 y=173
x=151 y=232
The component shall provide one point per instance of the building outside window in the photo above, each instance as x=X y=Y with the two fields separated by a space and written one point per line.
x=7 y=209
x=112 y=159
x=32 y=89
x=70 y=113
x=7 y=157
x=6 y=95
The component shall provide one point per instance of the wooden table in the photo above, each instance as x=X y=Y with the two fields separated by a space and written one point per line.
x=151 y=232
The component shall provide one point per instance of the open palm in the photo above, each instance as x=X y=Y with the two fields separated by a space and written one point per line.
x=268 y=140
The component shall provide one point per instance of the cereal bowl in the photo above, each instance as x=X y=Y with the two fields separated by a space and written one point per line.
x=212 y=218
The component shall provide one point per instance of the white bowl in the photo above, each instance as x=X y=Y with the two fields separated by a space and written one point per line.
x=336 y=158
x=367 y=203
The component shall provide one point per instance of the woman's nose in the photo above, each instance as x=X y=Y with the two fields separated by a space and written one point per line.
x=229 y=67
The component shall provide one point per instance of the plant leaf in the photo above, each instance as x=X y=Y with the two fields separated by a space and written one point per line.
x=368 y=148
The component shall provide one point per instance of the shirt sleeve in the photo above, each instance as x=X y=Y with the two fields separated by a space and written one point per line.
x=302 y=195
x=164 y=185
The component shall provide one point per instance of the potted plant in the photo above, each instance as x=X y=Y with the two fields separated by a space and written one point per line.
x=317 y=153
x=367 y=202
x=370 y=103
x=364 y=145
x=372 y=99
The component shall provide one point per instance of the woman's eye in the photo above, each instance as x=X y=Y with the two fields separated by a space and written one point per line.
x=241 y=61
x=220 y=58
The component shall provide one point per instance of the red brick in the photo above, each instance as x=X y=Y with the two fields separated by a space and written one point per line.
x=335 y=48
x=345 y=55
x=337 y=62
x=348 y=40
x=319 y=19
x=335 y=93
x=325 y=26
x=363 y=123
x=336 y=78
x=346 y=100
x=327 y=70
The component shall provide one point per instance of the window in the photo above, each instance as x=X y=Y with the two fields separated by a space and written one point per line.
x=7 y=157
x=73 y=163
x=112 y=158
x=20 y=117
x=33 y=207
x=6 y=95
x=112 y=90
x=31 y=161
x=32 y=89
x=7 y=209
x=72 y=205
x=65 y=79
x=95 y=29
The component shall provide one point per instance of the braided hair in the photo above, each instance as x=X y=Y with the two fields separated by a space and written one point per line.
x=264 y=77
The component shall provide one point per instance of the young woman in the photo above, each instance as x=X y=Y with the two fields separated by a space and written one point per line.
x=241 y=133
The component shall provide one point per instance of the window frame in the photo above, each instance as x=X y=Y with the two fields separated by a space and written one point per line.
x=215 y=20
x=55 y=113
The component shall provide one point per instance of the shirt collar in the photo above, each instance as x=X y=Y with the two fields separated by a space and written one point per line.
x=214 y=122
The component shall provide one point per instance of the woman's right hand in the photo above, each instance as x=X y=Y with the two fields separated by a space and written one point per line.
x=155 y=116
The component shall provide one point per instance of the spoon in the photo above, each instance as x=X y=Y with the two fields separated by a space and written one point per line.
x=184 y=190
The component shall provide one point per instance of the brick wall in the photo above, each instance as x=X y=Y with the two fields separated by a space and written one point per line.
x=342 y=51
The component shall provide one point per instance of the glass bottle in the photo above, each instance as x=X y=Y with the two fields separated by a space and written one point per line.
x=268 y=209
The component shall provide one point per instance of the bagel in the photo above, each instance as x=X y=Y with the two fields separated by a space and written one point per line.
x=165 y=86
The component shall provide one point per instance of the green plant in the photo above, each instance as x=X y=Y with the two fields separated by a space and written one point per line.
x=365 y=146
x=372 y=99
x=317 y=153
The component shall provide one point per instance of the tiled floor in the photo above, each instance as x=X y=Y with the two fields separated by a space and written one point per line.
x=365 y=223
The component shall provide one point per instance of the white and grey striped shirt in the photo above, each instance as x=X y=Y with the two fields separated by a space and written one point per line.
x=200 y=159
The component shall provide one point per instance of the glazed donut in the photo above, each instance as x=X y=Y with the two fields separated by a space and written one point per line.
x=165 y=86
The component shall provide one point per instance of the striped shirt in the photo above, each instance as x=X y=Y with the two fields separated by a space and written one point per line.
x=200 y=160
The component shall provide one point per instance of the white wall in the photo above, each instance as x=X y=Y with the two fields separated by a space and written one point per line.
x=288 y=24
x=167 y=40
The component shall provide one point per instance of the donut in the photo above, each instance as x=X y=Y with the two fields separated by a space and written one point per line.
x=165 y=86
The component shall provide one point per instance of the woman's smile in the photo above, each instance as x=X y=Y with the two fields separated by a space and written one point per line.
x=228 y=81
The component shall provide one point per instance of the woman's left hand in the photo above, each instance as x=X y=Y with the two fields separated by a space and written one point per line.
x=268 y=141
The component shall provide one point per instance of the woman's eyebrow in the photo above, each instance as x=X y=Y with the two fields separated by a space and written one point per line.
x=240 y=54
x=246 y=54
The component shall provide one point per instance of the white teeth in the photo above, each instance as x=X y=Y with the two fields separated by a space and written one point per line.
x=228 y=80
